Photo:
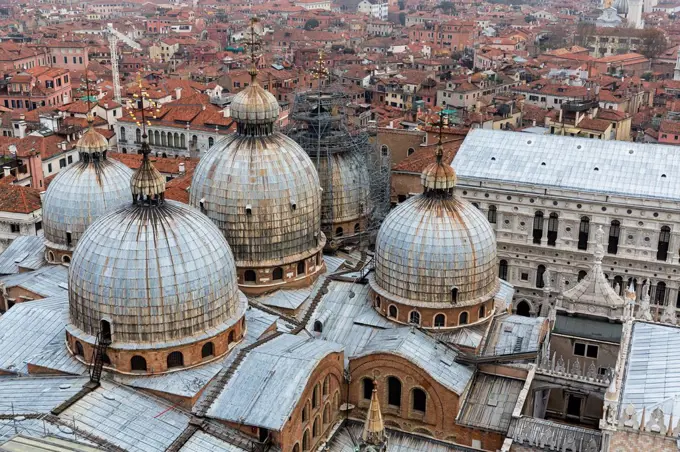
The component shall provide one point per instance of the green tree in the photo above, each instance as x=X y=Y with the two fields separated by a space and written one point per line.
x=447 y=7
x=653 y=42
x=311 y=24
x=529 y=19
x=402 y=5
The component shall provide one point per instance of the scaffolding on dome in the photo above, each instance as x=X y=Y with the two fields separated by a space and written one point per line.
x=354 y=174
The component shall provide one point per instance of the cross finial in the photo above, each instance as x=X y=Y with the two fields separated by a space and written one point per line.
x=88 y=97
x=143 y=96
x=253 y=44
x=320 y=71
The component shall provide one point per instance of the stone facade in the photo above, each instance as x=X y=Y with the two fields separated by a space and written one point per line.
x=166 y=141
x=640 y=228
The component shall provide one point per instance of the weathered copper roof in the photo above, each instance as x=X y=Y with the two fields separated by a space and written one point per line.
x=147 y=180
x=92 y=141
x=255 y=105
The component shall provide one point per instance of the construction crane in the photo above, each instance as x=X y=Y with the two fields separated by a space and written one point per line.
x=115 y=36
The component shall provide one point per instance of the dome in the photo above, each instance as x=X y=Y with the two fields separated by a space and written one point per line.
x=156 y=274
x=82 y=193
x=345 y=188
x=621 y=7
x=262 y=191
x=254 y=105
x=435 y=249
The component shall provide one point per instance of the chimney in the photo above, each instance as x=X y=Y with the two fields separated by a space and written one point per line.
x=182 y=169
x=42 y=196
x=178 y=93
x=6 y=171
x=62 y=145
x=106 y=105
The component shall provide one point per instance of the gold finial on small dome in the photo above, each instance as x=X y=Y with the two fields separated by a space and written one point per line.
x=439 y=176
x=373 y=436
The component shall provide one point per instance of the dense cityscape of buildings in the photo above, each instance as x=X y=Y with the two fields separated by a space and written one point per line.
x=339 y=225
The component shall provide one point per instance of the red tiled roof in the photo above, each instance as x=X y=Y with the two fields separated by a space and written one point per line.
x=19 y=199
x=423 y=156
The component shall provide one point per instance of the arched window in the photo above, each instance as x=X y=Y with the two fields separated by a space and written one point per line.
x=305 y=441
x=538 y=227
x=392 y=311
x=122 y=134
x=138 y=136
x=418 y=400
x=318 y=326
x=305 y=412
x=377 y=302
x=277 y=274
x=182 y=141
x=367 y=386
x=211 y=141
x=385 y=150
x=315 y=396
x=357 y=228
x=250 y=276
x=476 y=205
x=157 y=137
x=79 y=349
x=393 y=391
x=482 y=311
x=618 y=280
x=414 y=317
x=327 y=413
x=410 y=151
x=66 y=259
x=207 y=350
x=151 y=138
x=583 y=231
x=175 y=359
x=316 y=430
x=338 y=232
x=463 y=318
x=230 y=338
x=491 y=214
x=439 y=321
x=660 y=293
x=176 y=140
x=539 y=276
x=454 y=295
x=664 y=239
x=523 y=309
x=581 y=274
x=164 y=139
x=326 y=388
x=301 y=268
x=105 y=330
x=138 y=363
x=296 y=447
x=614 y=231
x=503 y=270
x=553 y=224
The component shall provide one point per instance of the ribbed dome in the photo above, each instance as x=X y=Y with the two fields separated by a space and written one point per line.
x=344 y=179
x=438 y=176
x=621 y=6
x=431 y=244
x=82 y=193
x=157 y=274
x=263 y=193
x=254 y=105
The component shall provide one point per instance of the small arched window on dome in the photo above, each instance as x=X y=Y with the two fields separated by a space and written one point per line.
x=138 y=363
x=301 y=268
x=377 y=302
x=339 y=232
x=392 y=311
x=79 y=349
x=414 y=317
x=50 y=256
x=249 y=209
x=250 y=276
x=463 y=318
x=207 y=350
x=439 y=321
x=318 y=326
x=357 y=228
x=66 y=259
x=277 y=274
x=385 y=150
x=105 y=330
x=454 y=295
x=230 y=338
x=482 y=311
x=410 y=151
x=175 y=359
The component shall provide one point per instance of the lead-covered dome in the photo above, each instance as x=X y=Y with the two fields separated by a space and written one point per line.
x=621 y=6
x=82 y=193
x=262 y=191
x=436 y=251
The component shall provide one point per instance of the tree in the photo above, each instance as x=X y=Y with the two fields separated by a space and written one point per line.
x=653 y=42
x=402 y=18
x=311 y=24
x=402 y=5
x=447 y=7
x=583 y=31
x=529 y=19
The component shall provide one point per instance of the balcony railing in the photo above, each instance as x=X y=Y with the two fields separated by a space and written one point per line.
x=548 y=435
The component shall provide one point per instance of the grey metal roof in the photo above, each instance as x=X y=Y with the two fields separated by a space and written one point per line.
x=81 y=194
x=425 y=352
x=45 y=319
x=126 y=418
x=55 y=356
x=37 y=395
x=36 y=428
x=587 y=328
x=623 y=167
x=26 y=251
x=470 y=336
x=203 y=442
x=275 y=371
x=428 y=245
x=47 y=281
x=652 y=375
x=514 y=334
x=158 y=274
x=26 y=443
x=490 y=402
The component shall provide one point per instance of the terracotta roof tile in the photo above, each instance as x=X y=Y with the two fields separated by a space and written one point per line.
x=423 y=156
x=19 y=199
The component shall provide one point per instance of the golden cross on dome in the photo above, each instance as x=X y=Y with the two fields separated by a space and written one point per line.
x=143 y=97
x=319 y=70
x=254 y=45
x=88 y=97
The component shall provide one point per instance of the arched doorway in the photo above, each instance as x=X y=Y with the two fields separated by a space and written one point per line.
x=523 y=309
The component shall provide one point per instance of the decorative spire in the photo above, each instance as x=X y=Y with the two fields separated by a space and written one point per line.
x=92 y=145
x=147 y=183
x=254 y=46
x=373 y=437
x=438 y=177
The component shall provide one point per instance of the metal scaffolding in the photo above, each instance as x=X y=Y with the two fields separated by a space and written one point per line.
x=354 y=174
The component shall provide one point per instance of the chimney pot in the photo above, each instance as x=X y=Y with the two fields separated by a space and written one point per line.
x=6 y=171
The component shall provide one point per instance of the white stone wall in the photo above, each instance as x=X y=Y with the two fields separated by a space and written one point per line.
x=203 y=139
x=636 y=257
